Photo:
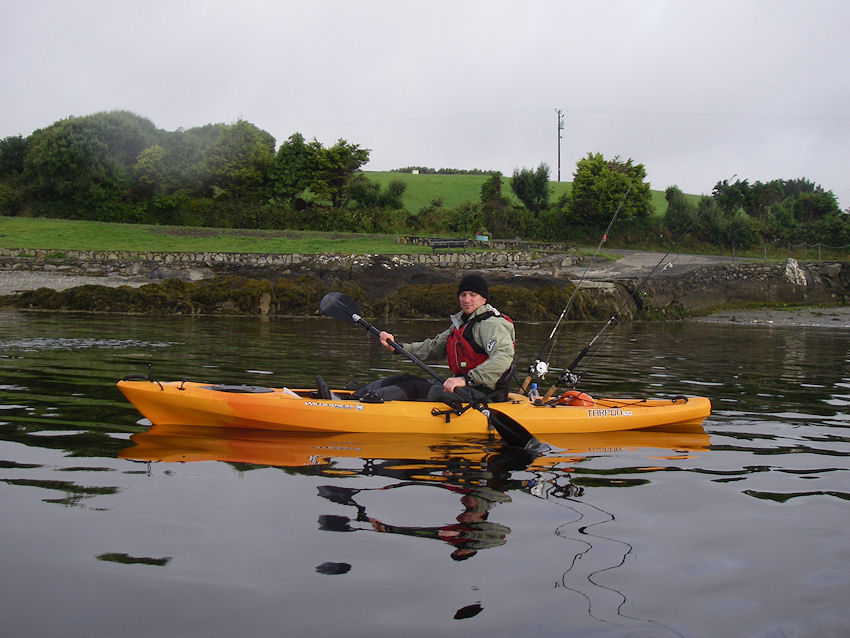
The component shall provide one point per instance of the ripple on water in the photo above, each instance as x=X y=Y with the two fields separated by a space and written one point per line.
x=42 y=344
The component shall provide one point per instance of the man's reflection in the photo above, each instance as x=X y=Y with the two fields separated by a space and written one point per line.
x=470 y=533
x=481 y=486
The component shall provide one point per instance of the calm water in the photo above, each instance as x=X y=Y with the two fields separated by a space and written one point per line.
x=742 y=531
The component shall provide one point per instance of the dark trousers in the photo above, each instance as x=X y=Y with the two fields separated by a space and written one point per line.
x=402 y=387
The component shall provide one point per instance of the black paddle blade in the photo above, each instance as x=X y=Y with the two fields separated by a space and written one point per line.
x=513 y=433
x=339 y=306
x=468 y=612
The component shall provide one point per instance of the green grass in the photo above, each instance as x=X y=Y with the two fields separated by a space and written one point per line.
x=454 y=190
x=62 y=234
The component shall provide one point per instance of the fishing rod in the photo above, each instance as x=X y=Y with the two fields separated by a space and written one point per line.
x=568 y=377
x=540 y=367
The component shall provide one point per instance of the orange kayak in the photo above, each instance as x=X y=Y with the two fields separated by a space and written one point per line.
x=206 y=404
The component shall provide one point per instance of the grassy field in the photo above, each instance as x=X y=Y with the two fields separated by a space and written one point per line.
x=454 y=190
x=62 y=234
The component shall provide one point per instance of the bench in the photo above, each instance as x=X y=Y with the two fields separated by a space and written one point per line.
x=436 y=243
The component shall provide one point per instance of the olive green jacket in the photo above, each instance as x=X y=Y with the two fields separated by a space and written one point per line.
x=496 y=335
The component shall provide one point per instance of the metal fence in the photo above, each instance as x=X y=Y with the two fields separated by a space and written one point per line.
x=800 y=252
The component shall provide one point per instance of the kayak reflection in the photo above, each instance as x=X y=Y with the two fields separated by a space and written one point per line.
x=476 y=471
x=476 y=468
x=188 y=443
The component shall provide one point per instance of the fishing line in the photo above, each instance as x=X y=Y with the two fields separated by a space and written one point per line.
x=569 y=378
x=541 y=365
x=567 y=375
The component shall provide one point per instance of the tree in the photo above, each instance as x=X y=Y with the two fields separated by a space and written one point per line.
x=761 y=197
x=184 y=162
x=335 y=167
x=680 y=214
x=240 y=158
x=294 y=167
x=149 y=170
x=731 y=197
x=532 y=187
x=491 y=189
x=365 y=193
x=12 y=150
x=86 y=162
x=599 y=186
x=326 y=174
x=815 y=205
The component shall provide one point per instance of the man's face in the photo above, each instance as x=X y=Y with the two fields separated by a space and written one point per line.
x=470 y=301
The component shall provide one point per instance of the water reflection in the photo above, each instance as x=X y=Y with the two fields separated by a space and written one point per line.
x=74 y=493
x=472 y=530
x=478 y=474
x=610 y=534
x=388 y=454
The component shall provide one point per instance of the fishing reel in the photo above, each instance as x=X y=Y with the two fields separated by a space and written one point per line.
x=568 y=379
x=538 y=369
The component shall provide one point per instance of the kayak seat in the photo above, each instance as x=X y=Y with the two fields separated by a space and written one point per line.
x=322 y=390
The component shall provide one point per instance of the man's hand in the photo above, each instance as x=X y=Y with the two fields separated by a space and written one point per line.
x=384 y=337
x=454 y=382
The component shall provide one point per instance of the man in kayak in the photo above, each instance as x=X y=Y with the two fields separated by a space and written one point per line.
x=479 y=347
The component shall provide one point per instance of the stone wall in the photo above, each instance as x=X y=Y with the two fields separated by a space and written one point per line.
x=698 y=290
x=190 y=265
x=785 y=283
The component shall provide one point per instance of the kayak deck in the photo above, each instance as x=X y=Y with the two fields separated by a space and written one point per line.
x=205 y=404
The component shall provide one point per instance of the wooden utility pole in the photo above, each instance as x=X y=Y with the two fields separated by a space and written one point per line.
x=560 y=128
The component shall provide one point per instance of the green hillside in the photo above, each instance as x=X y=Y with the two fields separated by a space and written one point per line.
x=454 y=190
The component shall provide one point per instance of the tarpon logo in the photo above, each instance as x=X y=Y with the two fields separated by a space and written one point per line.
x=599 y=412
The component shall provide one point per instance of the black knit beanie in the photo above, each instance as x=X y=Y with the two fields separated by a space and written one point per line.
x=474 y=283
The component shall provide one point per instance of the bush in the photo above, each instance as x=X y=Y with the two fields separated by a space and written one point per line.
x=11 y=203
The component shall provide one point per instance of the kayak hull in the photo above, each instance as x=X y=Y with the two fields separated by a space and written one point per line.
x=204 y=404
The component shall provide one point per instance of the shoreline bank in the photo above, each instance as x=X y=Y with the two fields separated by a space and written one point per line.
x=12 y=282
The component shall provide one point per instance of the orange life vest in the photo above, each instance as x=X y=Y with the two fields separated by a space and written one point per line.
x=465 y=354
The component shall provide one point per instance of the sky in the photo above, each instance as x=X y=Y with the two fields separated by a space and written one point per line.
x=696 y=91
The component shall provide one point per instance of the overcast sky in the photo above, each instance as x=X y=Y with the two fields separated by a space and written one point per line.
x=696 y=91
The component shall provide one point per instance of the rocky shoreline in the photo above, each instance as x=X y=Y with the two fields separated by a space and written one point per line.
x=17 y=281
x=684 y=285
x=826 y=317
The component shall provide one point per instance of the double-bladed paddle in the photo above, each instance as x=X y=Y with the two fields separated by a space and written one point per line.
x=340 y=306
